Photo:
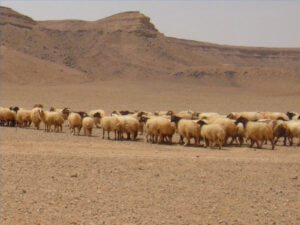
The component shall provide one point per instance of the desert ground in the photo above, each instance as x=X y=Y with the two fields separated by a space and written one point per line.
x=58 y=178
x=124 y=62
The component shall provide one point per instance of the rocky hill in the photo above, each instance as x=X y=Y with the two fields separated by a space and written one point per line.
x=128 y=46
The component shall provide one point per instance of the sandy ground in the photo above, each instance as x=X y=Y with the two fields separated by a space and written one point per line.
x=57 y=178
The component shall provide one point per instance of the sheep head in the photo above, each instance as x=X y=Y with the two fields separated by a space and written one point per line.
x=290 y=115
x=143 y=119
x=97 y=115
x=175 y=118
x=242 y=120
x=201 y=123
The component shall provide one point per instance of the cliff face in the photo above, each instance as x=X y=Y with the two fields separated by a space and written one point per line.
x=127 y=45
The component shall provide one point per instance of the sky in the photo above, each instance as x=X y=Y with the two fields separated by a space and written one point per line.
x=264 y=23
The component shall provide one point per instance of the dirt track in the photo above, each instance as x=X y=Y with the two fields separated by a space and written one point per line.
x=49 y=178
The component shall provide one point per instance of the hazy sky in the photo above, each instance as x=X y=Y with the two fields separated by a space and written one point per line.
x=249 y=23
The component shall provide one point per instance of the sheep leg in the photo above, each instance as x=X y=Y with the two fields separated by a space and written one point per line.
x=251 y=143
x=291 y=141
x=188 y=141
x=170 y=139
x=241 y=140
x=284 y=141
x=206 y=143
x=220 y=144
x=103 y=133
x=261 y=143
x=276 y=140
x=272 y=143
x=181 y=140
x=108 y=134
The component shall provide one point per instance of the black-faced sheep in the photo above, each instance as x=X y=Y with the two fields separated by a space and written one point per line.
x=212 y=134
x=256 y=132
x=187 y=129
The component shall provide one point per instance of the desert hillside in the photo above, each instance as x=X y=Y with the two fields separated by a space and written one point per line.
x=128 y=46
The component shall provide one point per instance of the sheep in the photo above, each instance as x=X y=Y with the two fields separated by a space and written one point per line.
x=280 y=129
x=187 y=129
x=185 y=114
x=293 y=128
x=130 y=126
x=111 y=123
x=208 y=115
x=97 y=119
x=7 y=117
x=248 y=115
x=51 y=118
x=164 y=113
x=23 y=118
x=293 y=115
x=212 y=134
x=159 y=129
x=274 y=115
x=75 y=121
x=229 y=127
x=256 y=132
x=35 y=117
x=87 y=124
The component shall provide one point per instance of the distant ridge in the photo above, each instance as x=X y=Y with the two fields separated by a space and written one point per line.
x=128 y=46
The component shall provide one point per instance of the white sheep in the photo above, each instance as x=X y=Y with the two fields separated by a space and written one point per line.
x=293 y=127
x=35 y=117
x=256 y=132
x=208 y=115
x=247 y=115
x=75 y=122
x=130 y=126
x=274 y=115
x=228 y=125
x=23 y=118
x=187 y=129
x=159 y=129
x=52 y=119
x=88 y=124
x=212 y=134
x=111 y=123
x=7 y=117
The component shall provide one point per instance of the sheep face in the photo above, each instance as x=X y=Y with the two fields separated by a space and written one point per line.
x=242 y=120
x=97 y=115
x=52 y=109
x=125 y=112
x=230 y=116
x=175 y=119
x=15 y=109
x=143 y=119
x=82 y=114
x=170 y=113
x=290 y=115
x=201 y=123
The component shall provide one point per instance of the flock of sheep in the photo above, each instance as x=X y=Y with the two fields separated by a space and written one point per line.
x=214 y=129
